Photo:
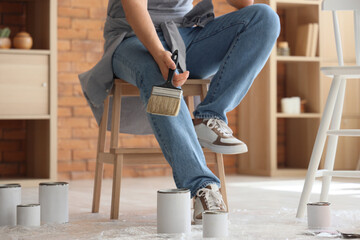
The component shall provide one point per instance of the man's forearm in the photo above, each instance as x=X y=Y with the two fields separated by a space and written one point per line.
x=139 y=19
x=240 y=3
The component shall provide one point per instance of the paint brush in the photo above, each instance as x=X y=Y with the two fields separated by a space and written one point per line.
x=165 y=99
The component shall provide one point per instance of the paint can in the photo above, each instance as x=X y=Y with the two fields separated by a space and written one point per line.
x=28 y=215
x=10 y=197
x=215 y=224
x=53 y=198
x=173 y=211
x=319 y=216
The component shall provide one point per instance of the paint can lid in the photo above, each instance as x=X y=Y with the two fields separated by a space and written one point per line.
x=53 y=183
x=210 y=212
x=11 y=185
x=29 y=205
x=172 y=191
x=319 y=204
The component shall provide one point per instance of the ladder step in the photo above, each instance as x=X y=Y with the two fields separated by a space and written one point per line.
x=345 y=174
x=345 y=132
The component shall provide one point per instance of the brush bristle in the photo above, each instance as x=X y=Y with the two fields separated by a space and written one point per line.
x=161 y=105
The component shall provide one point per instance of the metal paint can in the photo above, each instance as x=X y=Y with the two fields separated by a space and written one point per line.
x=28 y=215
x=173 y=211
x=215 y=224
x=53 y=198
x=319 y=216
x=10 y=197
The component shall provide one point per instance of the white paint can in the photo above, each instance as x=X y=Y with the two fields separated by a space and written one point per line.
x=10 y=197
x=53 y=198
x=28 y=215
x=173 y=211
x=319 y=216
x=215 y=224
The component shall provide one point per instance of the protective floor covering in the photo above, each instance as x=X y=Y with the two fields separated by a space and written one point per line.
x=260 y=208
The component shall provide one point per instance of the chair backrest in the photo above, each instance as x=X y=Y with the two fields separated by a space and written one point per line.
x=345 y=5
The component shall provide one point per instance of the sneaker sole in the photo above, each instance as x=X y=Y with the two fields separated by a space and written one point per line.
x=224 y=149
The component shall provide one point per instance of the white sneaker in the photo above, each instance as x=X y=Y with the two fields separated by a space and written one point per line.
x=216 y=135
x=208 y=198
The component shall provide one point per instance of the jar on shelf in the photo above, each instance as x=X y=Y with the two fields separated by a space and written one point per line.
x=283 y=49
x=23 y=40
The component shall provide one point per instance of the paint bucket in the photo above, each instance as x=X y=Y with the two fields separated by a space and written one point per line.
x=28 y=215
x=53 y=198
x=10 y=197
x=319 y=216
x=215 y=224
x=173 y=211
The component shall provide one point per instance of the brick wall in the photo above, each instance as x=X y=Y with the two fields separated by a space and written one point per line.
x=13 y=15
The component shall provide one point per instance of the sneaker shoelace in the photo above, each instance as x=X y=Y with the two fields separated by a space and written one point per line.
x=213 y=199
x=219 y=125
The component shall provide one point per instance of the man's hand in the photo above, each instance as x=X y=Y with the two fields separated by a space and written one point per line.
x=164 y=61
x=240 y=3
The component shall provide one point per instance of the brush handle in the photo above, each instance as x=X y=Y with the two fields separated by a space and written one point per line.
x=175 y=58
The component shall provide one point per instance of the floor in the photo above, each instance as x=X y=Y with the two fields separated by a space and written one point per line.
x=260 y=208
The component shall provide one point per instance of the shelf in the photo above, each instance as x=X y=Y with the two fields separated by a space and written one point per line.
x=301 y=115
x=297 y=59
x=24 y=182
x=24 y=117
x=21 y=51
x=297 y=3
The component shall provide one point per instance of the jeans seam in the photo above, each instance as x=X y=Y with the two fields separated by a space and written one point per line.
x=220 y=30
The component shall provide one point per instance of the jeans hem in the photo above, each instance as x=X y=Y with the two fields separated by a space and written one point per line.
x=208 y=116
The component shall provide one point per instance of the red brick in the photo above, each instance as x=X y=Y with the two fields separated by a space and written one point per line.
x=64 y=22
x=1 y=133
x=72 y=101
x=67 y=144
x=82 y=112
x=98 y=13
x=64 y=133
x=64 y=155
x=71 y=33
x=1 y=156
x=64 y=45
x=73 y=12
x=82 y=175
x=65 y=89
x=71 y=56
x=14 y=156
x=64 y=3
x=64 y=112
x=93 y=24
x=84 y=154
x=73 y=122
x=12 y=123
x=82 y=66
x=64 y=67
x=93 y=57
x=68 y=77
x=14 y=134
x=87 y=45
x=22 y=169
x=8 y=169
x=14 y=19
x=10 y=145
x=65 y=176
x=77 y=90
x=96 y=35
x=71 y=166
x=11 y=7
x=86 y=3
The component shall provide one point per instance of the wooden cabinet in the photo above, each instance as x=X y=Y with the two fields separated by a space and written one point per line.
x=28 y=91
x=281 y=144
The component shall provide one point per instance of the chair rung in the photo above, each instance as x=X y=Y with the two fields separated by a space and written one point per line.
x=345 y=174
x=345 y=132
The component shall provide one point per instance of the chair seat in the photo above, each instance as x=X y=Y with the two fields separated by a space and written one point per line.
x=346 y=71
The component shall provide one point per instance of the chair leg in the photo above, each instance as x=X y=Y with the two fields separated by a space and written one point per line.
x=99 y=163
x=333 y=141
x=115 y=198
x=318 y=146
x=221 y=174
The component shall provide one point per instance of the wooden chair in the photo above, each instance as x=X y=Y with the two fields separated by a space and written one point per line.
x=333 y=110
x=133 y=156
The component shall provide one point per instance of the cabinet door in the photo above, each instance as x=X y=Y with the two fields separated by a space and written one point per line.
x=24 y=81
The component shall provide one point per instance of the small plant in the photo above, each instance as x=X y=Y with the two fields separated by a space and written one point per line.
x=5 y=33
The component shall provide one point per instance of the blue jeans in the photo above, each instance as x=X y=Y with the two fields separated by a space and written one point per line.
x=233 y=48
